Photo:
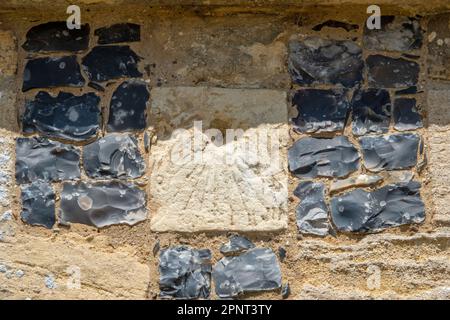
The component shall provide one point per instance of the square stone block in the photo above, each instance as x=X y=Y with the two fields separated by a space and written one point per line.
x=439 y=46
x=220 y=160
x=8 y=54
x=438 y=102
x=8 y=69
x=225 y=51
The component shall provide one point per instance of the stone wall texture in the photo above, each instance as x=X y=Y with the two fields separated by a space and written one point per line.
x=251 y=151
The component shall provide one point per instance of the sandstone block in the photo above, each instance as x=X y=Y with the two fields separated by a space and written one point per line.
x=220 y=160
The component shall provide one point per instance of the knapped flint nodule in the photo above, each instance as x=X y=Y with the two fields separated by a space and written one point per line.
x=185 y=273
x=254 y=270
x=38 y=158
x=113 y=156
x=390 y=206
x=320 y=110
x=323 y=157
x=66 y=116
x=102 y=204
x=38 y=204
x=51 y=72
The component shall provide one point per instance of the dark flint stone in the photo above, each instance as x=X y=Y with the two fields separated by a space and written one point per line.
x=128 y=108
x=96 y=86
x=102 y=204
x=42 y=159
x=120 y=32
x=236 y=244
x=285 y=291
x=52 y=72
x=38 y=204
x=147 y=142
x=114 y=156
x=156 y=247
x=323 y=157
x=105 y=63
x=312 y=212
x=255 y=270
x=410 y=90
x=185 y=273
x=422 y=164
x=69 y=117
x=390 y=206
x=410 y=56
x=386 y=72
x=323 y=61
x=320 y=110
x=336 y=24
x=406 y=116
x=282 y=253
x=55 y=36
x=421 y=147
x=371 y=111
x=396 y=34
x=391 y=152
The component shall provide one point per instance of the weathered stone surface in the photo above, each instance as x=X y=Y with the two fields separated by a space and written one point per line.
x=386 y=72
x=383 y=265
x=390 y=152
x=114 y=156
x=102 y=204
x=42 y=159
x=323 y=157
x=8 y=69
x=406 y=117
x=105 y=63
x=6 y=169
x=8 y=55
x=52 y=72
x=128 y=108
x=246 y=171
x=326 y=292
x=397 y=33
x=412 y=264
x=119 y=32
x=236 y=244
x=318 y=60
x=55 y=36
x=363 y=180
x=185 y=273
x=414 y=4
x=220 y=51
x=438 y=104
x=390 y=206
x=38 y=204
x=66 y=116
x=254 y=270
x=371 y=111
x=320 y=110
x=103 y=273
x=312 y=212
x=439 y=46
